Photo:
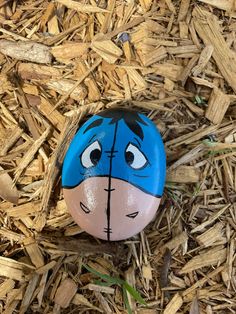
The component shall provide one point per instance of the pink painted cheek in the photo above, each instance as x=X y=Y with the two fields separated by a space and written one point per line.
x=125 y=199
x=93 y=196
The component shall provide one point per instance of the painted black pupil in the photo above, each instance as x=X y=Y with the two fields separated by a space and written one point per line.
x=95 y=156
x=129 y=157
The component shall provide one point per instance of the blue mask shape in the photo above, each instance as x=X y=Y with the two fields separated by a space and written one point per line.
x=120 y=144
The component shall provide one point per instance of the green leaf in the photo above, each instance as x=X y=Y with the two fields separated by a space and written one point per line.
x=209 y=143
x=109 y=281
x=126 y=300
x=107 y=278
x=199 y=100
x=103 y=284
x=135 y=294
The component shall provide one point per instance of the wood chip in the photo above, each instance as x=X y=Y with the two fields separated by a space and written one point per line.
x=29 y=51
x=137 y=78
x=65 y=293
x=227 y=5
x=7 y=189
x=174 y=305
x=217 y=106
x=6 y=287
x=79 y=299
x=54 y=116
x=175 y=242
x=13 y=269
x=29 y=71
x=81 y=7
x=63 y=86
x=208 y=29
x=34 y=252
x=170 y=5
x=29 y=293
x=23 y=209
x=69 y=51
x=107 y=50
x=183 y=10
x=212 y=257
x=154 y=56
x=212 y=236
x=184 y=174
x=204 y=58
x=194 y=308
x=210 y=220
x=187 y=70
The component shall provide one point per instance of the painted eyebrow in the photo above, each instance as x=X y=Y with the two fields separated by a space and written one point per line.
x=139 y=144
x=93 y=125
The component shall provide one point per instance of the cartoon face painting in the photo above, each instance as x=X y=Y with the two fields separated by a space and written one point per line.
x=114 y=173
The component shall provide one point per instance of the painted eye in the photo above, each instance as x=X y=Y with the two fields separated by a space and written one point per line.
x=91 y=155
x=134 y=157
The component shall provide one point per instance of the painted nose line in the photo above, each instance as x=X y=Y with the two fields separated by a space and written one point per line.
x=107 y=230
x=111 y=153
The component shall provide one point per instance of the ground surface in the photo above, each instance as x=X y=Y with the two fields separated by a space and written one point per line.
x=64 y=60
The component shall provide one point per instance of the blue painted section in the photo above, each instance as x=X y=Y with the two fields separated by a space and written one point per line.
x=150 y=178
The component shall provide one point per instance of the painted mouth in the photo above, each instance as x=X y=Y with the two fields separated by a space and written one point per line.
x=84 y=208
x=109 y=190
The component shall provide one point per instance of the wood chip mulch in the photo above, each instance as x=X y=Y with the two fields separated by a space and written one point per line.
x=62 y=61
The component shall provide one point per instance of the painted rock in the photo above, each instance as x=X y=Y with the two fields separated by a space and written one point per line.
x=114 y=173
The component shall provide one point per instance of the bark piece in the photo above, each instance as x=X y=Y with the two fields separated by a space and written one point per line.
x=29 y=51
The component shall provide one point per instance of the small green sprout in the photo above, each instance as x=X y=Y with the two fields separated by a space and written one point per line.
x=199 y=100
x=126 y=288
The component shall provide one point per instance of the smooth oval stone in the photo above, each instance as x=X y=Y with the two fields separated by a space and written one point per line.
x=114 y=173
